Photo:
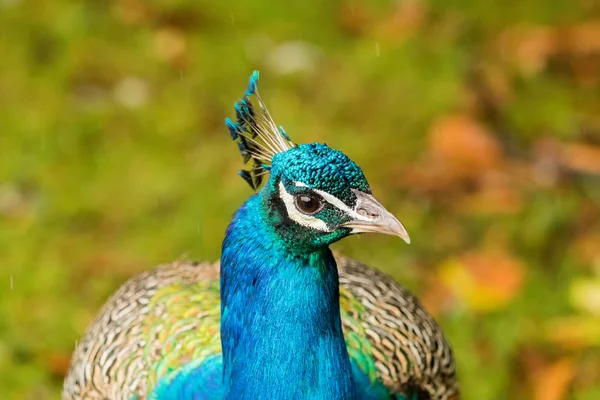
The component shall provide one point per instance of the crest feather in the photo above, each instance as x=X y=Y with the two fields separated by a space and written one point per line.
x=256 y=134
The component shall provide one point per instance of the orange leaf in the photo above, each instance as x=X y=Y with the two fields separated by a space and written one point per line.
x=464 y=145
x=582 y=157
x=586 y=249
x=497 y=195
x=583 y=38
x=528 y=47
x=485 y=280
x=57 y=362
x=552 y=381
x=437 y=297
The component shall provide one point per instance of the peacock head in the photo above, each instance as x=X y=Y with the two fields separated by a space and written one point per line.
x=314 y=195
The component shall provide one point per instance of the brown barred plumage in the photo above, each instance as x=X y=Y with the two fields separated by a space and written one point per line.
x=408 y=345
x=123 y=352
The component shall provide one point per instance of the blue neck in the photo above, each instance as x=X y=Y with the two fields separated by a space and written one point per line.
x=281 y=330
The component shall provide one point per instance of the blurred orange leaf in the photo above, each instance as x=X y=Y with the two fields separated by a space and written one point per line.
x=586 y=249
x=485 y=280
x=583 y=38
x=528 y=48
x=437 y=297
x=552 y=381
x=463 y=145
x=497 y=195
x=582 y=157
x=57 y=362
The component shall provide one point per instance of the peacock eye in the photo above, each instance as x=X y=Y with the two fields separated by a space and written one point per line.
x=308 y=205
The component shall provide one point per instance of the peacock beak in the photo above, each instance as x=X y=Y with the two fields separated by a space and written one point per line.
x=374 y=218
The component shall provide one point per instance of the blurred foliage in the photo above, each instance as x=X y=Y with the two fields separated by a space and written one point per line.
x=478 y=123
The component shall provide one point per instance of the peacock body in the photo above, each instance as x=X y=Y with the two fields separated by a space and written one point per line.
x=279 y=317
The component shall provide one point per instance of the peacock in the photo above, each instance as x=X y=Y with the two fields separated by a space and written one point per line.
x=281 y=316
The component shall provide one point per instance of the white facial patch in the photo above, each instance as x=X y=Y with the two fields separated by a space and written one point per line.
x=297 y=216
x=311 y=221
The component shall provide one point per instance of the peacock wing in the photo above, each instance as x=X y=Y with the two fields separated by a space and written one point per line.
x=154 y=324
x=391 y=339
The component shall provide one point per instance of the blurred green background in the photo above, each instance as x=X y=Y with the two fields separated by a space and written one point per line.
x=477 y=123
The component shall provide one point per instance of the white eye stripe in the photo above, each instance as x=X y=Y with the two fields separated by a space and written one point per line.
x=337 y=203
x=297 y=216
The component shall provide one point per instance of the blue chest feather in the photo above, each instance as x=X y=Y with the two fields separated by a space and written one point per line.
x=203 y=381
x=281 y=331
x=280 y=321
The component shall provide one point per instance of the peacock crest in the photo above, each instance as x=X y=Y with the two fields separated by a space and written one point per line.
x=256 y=134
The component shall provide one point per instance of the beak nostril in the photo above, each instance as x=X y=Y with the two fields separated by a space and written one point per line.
x=366 y=213
x=371 y=216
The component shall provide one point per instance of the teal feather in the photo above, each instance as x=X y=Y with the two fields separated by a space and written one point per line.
x=283 y=318
x=284 y=133
x=253 y=84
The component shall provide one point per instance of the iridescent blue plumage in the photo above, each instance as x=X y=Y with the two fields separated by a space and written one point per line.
x=279 y=308
x=197 y=380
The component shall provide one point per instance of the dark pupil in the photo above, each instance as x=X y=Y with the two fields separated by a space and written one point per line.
x=307 y=204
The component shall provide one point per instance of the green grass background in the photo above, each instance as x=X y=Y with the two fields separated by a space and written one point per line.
x=114 y=158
